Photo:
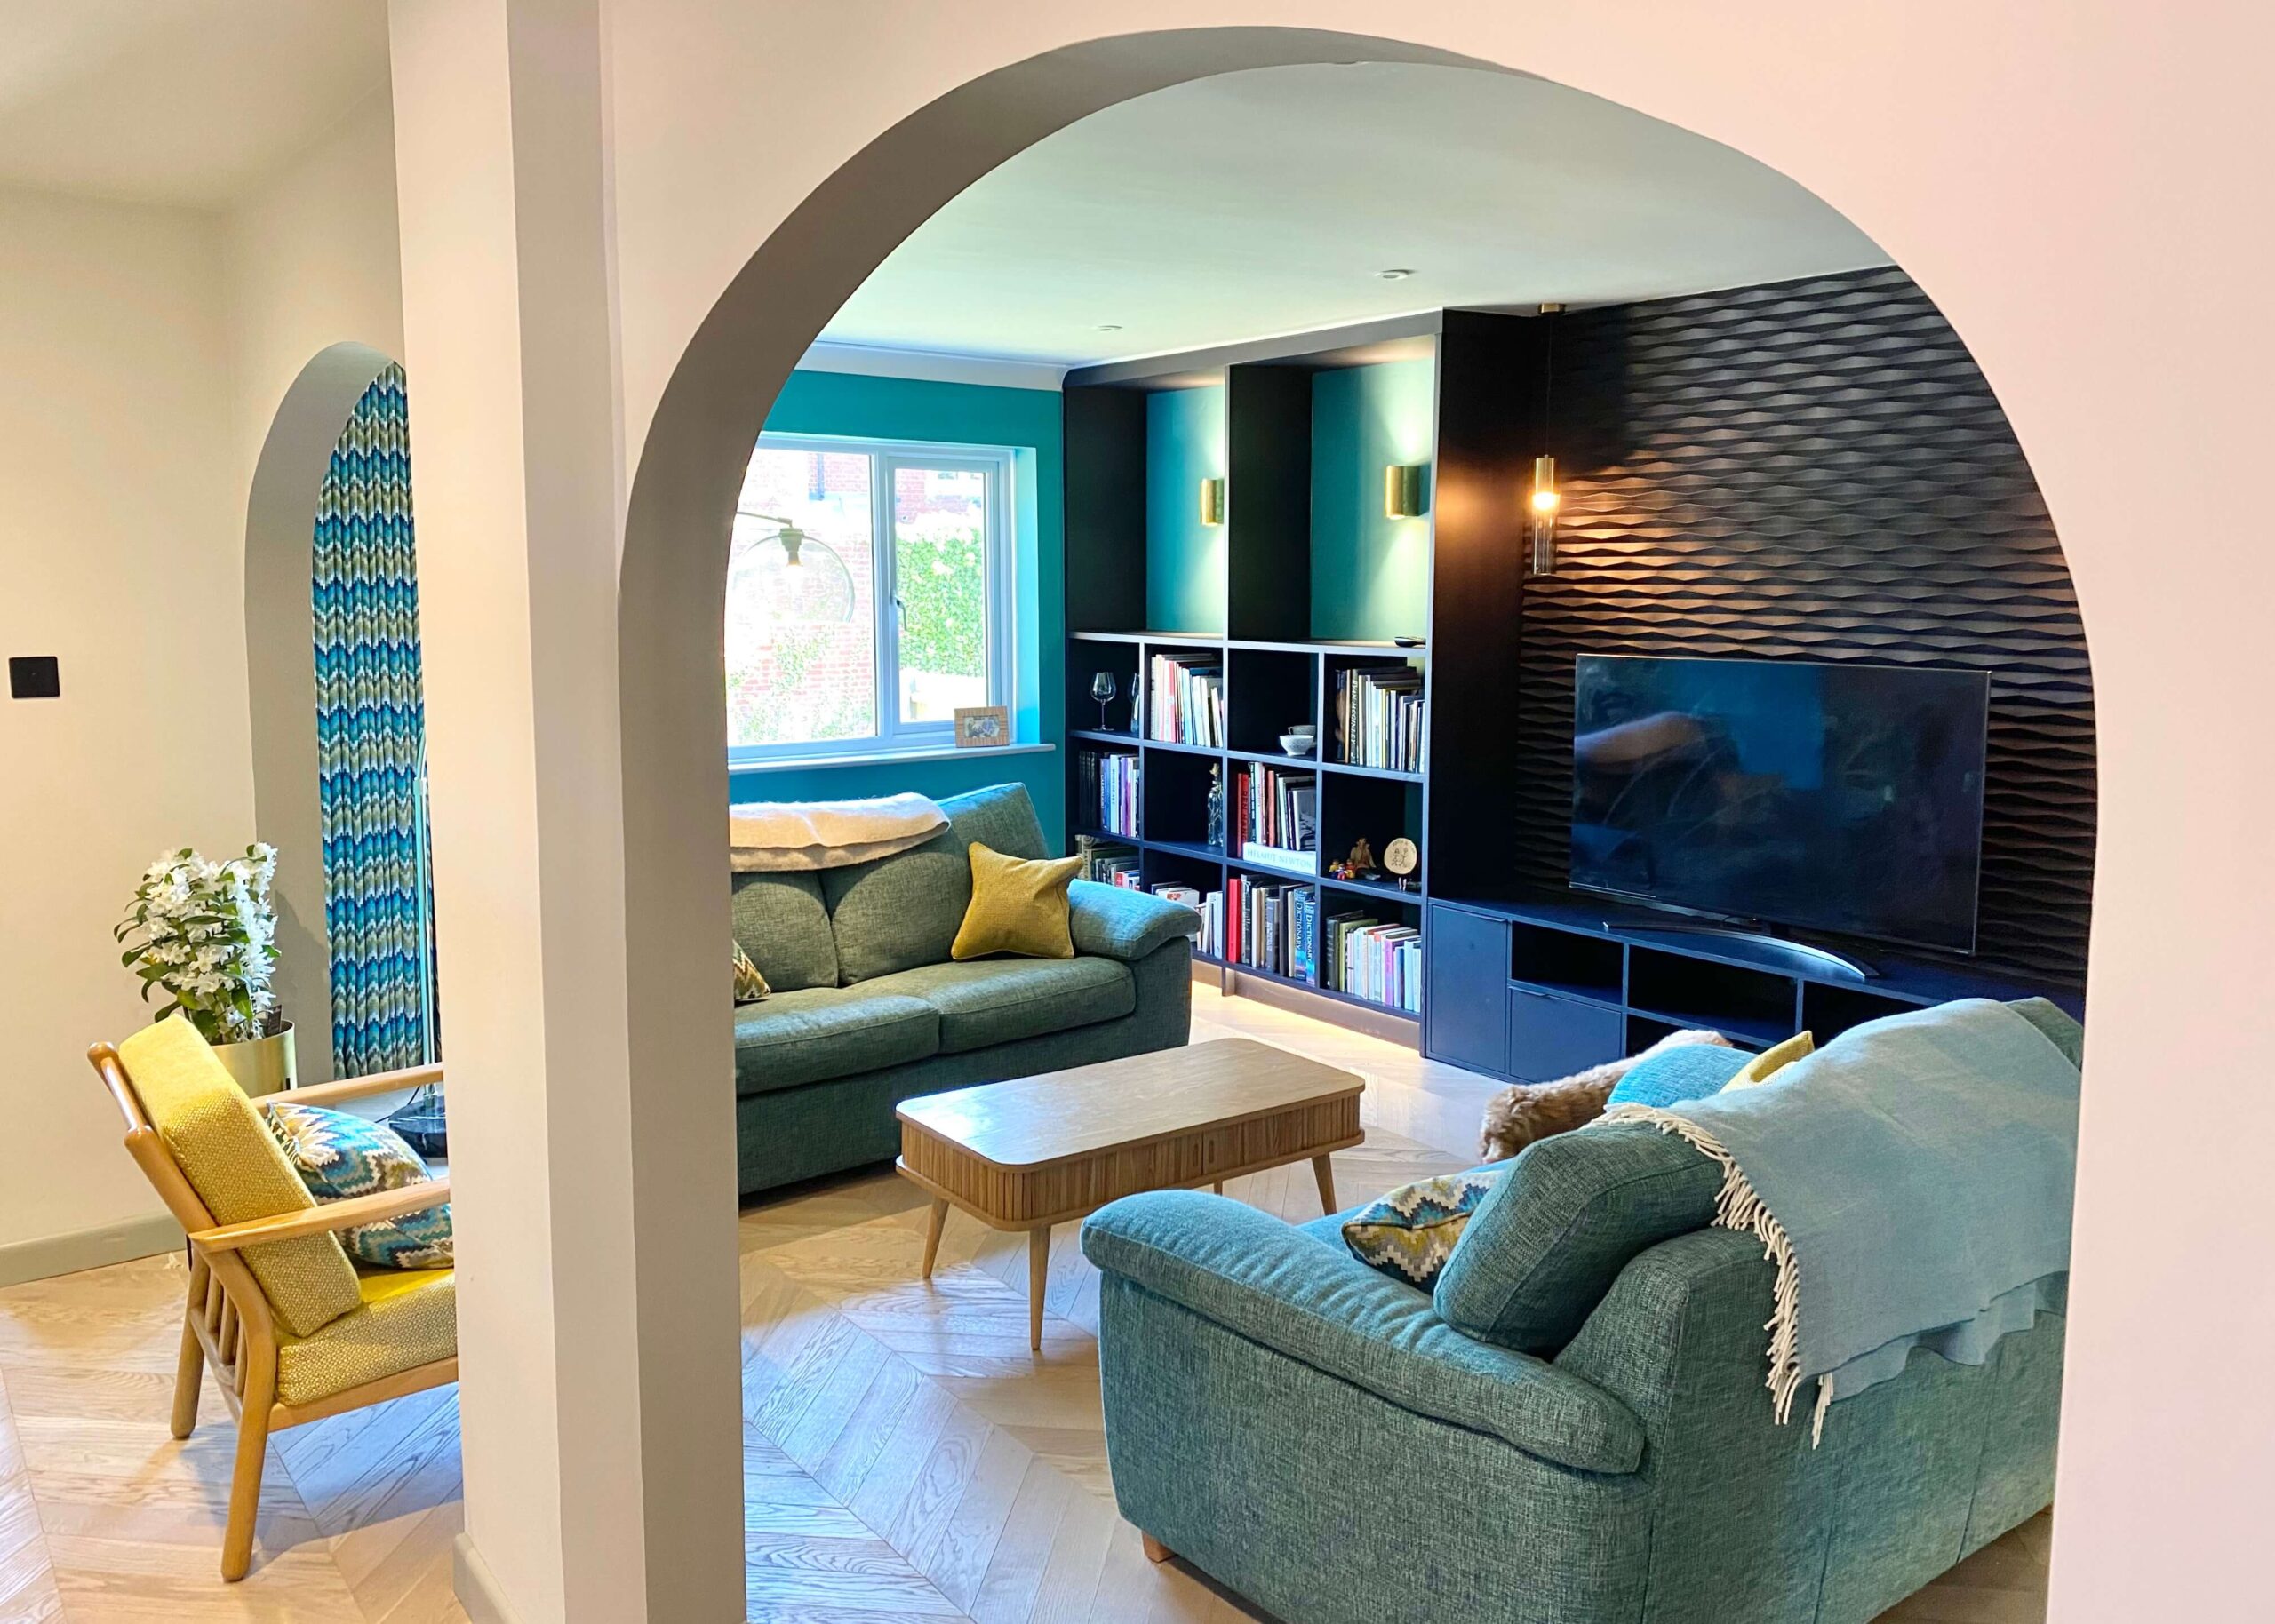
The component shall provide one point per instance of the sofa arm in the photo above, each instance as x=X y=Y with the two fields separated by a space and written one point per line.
x=1116 y=922
x=1266 y=1281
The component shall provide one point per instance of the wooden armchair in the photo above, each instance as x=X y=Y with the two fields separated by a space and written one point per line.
x=383 y=1345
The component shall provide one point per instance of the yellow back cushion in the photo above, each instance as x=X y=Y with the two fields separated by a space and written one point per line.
x=222 y=1147
x=1766 y=1064
x=1017 y=906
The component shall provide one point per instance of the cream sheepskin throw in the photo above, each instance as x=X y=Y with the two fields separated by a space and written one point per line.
x=770 y=837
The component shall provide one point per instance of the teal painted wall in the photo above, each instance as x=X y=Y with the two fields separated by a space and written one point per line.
x=956 y=414
x=1185 y=558
x=1370 y=575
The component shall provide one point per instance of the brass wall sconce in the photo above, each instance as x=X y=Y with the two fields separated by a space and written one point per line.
x=1545 y=500
x=1212 y=501
x=1402 y=490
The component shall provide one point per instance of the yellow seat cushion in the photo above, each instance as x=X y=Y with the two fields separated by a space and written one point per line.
x=406 y=1318
x=224 y=1150
x=1018 y=905
x=1766 y=1064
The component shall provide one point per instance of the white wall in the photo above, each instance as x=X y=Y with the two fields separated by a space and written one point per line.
x=315 y=268
x=143 y=353
x=117 y=554
x=312 y=260
x=2079 y=187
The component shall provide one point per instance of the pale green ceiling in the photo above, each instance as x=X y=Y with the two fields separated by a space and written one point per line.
x=1266 y=202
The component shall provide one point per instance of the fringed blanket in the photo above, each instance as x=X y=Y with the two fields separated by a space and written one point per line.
x=779 y=836
x=1912 y=1182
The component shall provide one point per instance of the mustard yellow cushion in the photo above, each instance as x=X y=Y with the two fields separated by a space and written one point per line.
x=1017 y=906
x=1771 y=1061
x=224 y=1150
x=406 y=1317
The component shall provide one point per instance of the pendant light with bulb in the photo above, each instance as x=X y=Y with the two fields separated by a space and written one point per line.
x=1545 y=498
x=798 y=576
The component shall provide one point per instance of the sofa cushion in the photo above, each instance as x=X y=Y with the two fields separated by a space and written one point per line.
x=404 y=1318
x=223 y=1148
x=1018 y=906
x=1409 y=1233
x=750 y=984
x=816 y=1033
x=781 y=922
x=1760 y=1068
x=1547 y=1242
x=901 y=911
x=999 y=1000
x=1690 y=1071
x=339 y=1156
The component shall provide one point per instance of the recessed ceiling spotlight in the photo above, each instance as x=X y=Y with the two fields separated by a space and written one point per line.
x=1108 y=327
x=1396 y=273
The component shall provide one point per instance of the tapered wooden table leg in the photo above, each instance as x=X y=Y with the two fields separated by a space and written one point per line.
x=1323 y=1169
x=1038 y=1273
x=932 y=1234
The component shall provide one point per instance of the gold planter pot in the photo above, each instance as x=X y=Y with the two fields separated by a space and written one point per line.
x=265 y=1066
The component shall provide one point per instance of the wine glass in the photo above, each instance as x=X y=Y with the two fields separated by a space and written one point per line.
x=1103 y=690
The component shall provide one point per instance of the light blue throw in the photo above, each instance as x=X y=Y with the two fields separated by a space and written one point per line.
x=1913 y=1182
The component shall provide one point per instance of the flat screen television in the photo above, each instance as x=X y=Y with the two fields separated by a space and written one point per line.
x=1846 y=799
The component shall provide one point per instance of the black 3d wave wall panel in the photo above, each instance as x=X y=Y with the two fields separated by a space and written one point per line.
x=1816 y=470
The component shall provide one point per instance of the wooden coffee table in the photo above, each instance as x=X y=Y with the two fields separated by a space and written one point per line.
x=1041 y=1151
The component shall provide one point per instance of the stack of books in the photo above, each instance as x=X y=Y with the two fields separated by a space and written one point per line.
x=1369 y=959
x=1211 y=940
x=1275 y=927
x=1276 y=813
x=1107 y=862
x=1106 y=783
x=1378 y=718
x=1188 y=700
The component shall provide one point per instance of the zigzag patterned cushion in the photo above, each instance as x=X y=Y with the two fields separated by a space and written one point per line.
x=339 y=1155
x=750 y=986
x=1409 y=1233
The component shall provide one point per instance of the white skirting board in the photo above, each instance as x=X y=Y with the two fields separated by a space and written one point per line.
x=478 y=1589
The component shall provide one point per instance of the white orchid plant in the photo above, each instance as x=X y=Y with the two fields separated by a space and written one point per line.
x=205 y=933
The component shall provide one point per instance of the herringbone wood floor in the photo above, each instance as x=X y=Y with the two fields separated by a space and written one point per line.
x=906 y=1457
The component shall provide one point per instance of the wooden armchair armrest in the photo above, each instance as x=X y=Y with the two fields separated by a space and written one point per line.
x=356 y=1087
x=325 y=1217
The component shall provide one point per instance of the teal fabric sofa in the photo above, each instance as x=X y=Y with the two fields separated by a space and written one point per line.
x=1574 y=1430
x=868 y=1010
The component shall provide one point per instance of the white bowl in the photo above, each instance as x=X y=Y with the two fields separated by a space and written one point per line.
x=1297 y=744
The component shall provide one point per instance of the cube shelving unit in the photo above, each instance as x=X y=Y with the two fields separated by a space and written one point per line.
x=1309 y=575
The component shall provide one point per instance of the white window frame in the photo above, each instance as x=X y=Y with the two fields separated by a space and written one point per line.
x=998 y=465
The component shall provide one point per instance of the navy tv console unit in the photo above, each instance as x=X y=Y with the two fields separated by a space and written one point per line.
x=1534 y=991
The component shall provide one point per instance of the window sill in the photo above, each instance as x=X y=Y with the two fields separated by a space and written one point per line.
x=880 y=758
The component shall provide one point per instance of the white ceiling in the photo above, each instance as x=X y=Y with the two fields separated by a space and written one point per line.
x=176 y=101
x=1266 y=202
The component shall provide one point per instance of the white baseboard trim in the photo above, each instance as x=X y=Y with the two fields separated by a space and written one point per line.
x=46 y=1256
x=476 y=1585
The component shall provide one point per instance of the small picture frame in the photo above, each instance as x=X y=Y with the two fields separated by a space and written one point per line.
x=981 y=727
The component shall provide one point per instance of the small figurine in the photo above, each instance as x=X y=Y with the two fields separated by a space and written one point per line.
x=1359 y=865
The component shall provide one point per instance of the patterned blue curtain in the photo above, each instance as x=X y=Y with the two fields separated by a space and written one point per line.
x=371 y=744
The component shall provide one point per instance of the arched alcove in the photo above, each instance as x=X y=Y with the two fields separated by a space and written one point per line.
x=332 y=473
x=673 y=573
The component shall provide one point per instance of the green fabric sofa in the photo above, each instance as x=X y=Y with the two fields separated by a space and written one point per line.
x=1319 y=1437
x=868 y=1010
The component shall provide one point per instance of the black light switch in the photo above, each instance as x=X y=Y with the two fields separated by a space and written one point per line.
x=35 y=676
